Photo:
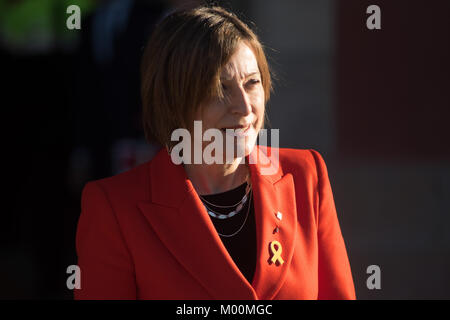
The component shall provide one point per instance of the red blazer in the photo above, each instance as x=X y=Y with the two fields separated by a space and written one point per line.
x=144 y=234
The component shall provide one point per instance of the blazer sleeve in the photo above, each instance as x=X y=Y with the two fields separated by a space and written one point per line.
x=106 y=267
x=335 y=277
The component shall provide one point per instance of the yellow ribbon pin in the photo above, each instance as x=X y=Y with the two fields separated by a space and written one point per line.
x=276 y=252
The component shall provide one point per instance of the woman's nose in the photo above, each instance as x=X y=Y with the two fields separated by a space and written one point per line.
x=240 y=102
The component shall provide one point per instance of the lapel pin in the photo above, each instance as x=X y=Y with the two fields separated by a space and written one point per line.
x=279 y=215
x=276 y=249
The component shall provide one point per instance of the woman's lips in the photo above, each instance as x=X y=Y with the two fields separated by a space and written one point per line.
x=238 y=130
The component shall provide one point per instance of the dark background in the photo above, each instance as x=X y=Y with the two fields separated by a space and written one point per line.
x=374 y=103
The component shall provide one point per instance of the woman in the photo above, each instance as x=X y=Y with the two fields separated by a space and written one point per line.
x=246 y=222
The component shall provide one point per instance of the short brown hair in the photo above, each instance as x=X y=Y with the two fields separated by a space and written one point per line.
x=182 y=63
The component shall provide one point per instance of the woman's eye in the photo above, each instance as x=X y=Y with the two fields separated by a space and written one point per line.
x=252 y=82
x=224 y=87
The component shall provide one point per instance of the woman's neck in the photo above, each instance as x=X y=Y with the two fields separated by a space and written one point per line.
x=216 y=178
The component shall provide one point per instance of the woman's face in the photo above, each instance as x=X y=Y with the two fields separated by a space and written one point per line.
x=242 y=107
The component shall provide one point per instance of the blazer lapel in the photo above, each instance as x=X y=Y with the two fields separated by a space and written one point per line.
x=272 y=193
x=178 y=217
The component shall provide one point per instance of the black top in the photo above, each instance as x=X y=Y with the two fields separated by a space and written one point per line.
x=241 y=246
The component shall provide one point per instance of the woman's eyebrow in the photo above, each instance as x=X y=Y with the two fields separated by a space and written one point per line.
x=252 y=74
x=228 y=77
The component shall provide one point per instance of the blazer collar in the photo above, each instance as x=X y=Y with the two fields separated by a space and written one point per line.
x=177 y=215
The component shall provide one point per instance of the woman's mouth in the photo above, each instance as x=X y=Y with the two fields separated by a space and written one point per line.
x=240 y=130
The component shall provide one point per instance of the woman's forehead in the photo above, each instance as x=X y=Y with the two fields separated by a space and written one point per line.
x=242 y=64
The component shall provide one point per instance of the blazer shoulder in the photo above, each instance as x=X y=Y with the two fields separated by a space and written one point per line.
x=305 y=161
x=131 y=184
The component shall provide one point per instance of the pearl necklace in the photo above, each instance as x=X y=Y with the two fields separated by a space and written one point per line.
x=240 y=228
x=238 y=206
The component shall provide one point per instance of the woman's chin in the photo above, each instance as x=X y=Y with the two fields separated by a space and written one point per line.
x=233 y=149
x=243 y=148
x=249 y=146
